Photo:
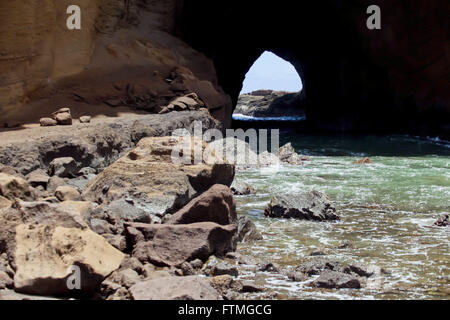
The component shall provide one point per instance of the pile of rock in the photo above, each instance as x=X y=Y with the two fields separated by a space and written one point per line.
x=62 y=117
x=184 y=103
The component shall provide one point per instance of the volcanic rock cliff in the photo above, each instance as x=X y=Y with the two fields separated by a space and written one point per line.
x=142 y=51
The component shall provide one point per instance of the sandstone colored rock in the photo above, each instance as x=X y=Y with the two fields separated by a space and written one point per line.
x=47 y=122
x=154 y=181
x=171 y=245
x=5 y=203
x=66 y=193
x=313 y=206
x=365 y=160
x=174 y=288
x=45 y=257
x=85 y=119
x=63 y=167
x=214 y=205
x=63 y=118
x=38 y=177
x=12 y=187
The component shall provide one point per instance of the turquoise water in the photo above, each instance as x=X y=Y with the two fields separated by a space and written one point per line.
x=387 y=208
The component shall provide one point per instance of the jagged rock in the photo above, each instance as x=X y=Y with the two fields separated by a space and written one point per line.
x=186 y=102
x=85 y=119
x=125 y=210
x=12 y=187
x=313 y=206
x=47 y=122
x=63 y=167
x=288 y=155
x=443 y=221
x=247 y=230
x=187 y=269
x=241 y=188
x=171 y=245
x=336 y=280
x=38 y=177
x=154 y=181
x=174 y=288
x=55 y=250
x=66 y=193
x=214 y=205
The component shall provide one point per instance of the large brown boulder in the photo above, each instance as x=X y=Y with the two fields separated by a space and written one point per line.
x=174 y=288
x=150 y=178
x=215 y=205
x=171 y=245
x=47 y=256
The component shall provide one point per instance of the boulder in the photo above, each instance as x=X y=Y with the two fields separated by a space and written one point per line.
x=336 y=280
x=171 y=245
x=37 y=178
x=12 y=187
x=247 y=230
x=288 y=155
x=125 y=277
x=312 y=205
x=63 y=167
x=47 y=122
x=125 y=210
x=214 y=205
x=156 y=179
x=85 y=119
x=62 y=116
x=174 y=288
x=241 y=188
x=57 y=250
x=66 y=193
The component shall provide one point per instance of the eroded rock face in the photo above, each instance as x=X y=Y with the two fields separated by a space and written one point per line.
x=174 y=288
x=149 y=176
x=307 y=206
x=214 y=205
x=45 y=255
x=171 y=245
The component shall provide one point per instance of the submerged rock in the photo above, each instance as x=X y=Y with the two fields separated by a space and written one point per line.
x=336 y=280
x=365 y=160
x=247 y=230
x=313 y=206
x=443 y=221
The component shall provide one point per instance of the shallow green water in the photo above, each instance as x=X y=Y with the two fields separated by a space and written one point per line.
x=387 y=208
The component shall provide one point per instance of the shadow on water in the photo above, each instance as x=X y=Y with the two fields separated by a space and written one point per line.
x=317 y=144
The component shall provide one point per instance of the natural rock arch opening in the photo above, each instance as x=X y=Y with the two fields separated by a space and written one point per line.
x=272 y=90
x=356 y=79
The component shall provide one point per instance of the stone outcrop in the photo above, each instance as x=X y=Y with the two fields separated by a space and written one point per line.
x=171 y=245
x=151 y=177
x=313 y=206
x=214 y=205
x=174 y=288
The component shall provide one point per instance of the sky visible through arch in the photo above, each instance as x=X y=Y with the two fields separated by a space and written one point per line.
x=271 y=72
